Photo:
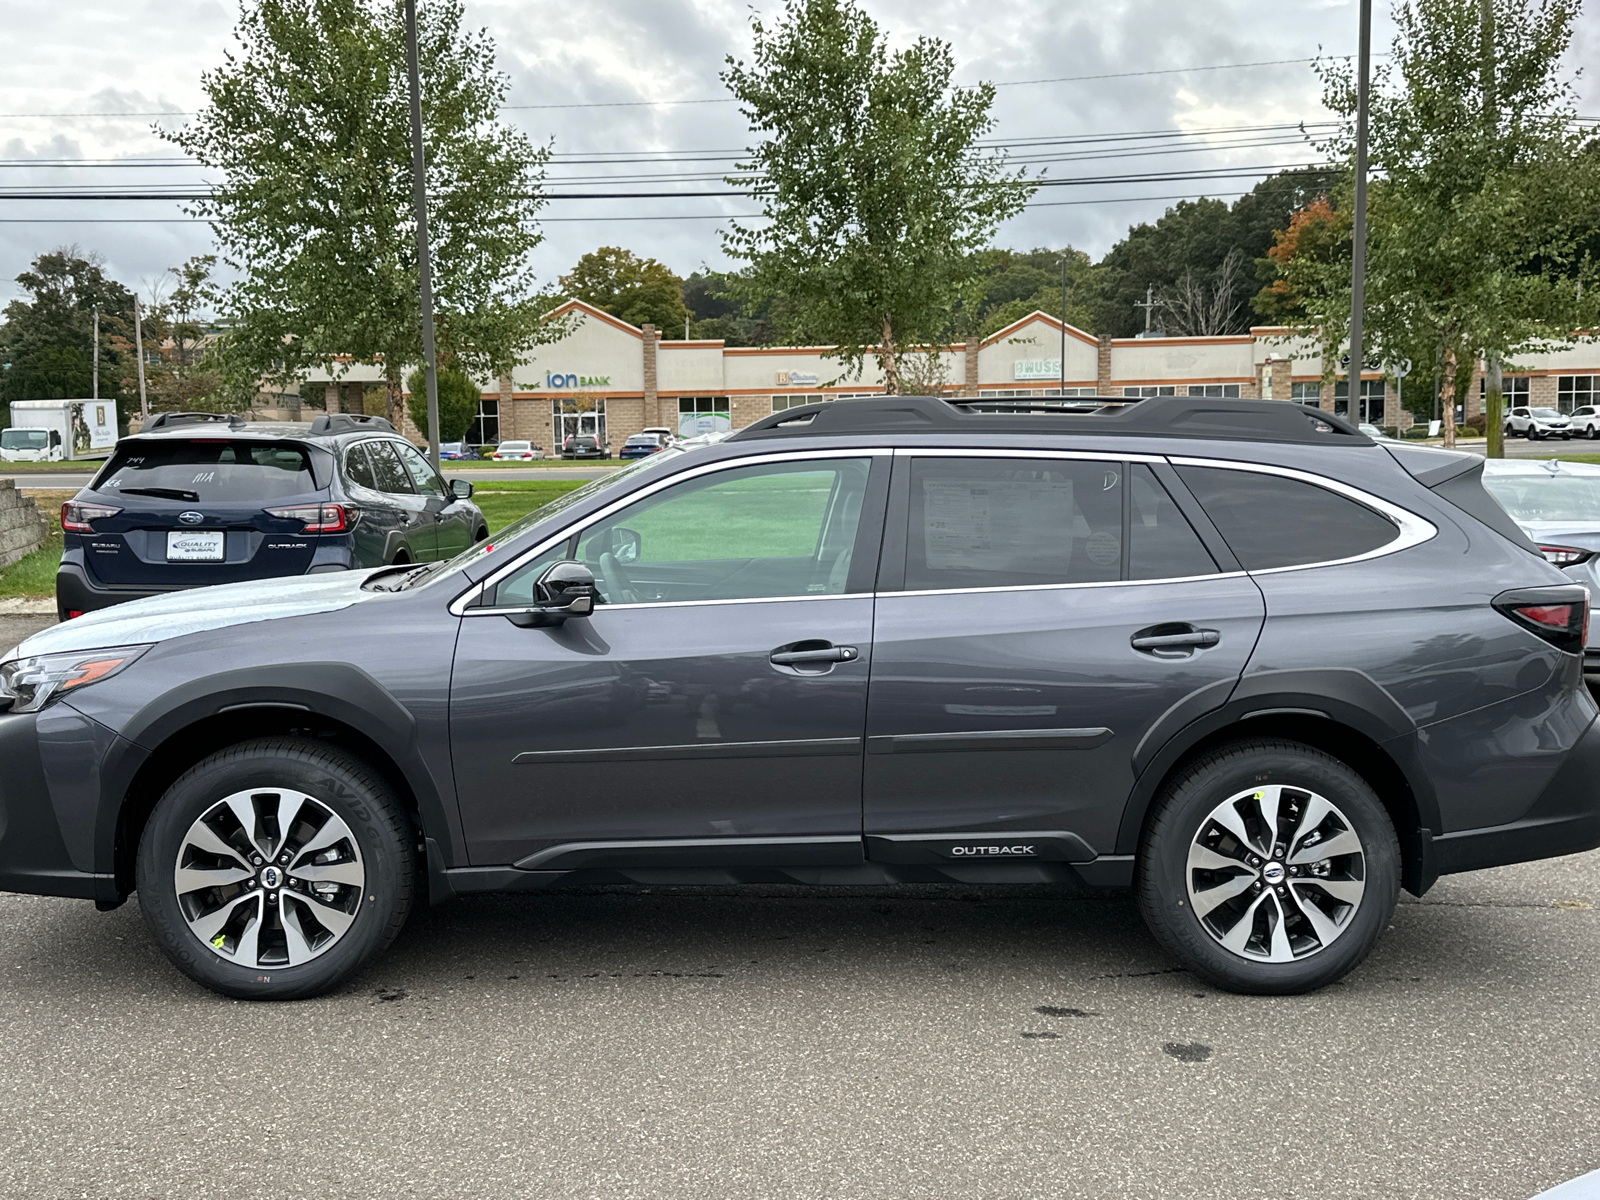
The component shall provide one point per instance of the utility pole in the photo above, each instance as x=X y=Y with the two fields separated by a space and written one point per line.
x=1358 y=258
x=419 y=187
x=95 y=386
x=1493 y=384
x=138 y=352
x=1063 y=363
x=1148 y=304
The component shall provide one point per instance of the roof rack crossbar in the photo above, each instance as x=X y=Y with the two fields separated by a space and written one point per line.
x=1157 y=416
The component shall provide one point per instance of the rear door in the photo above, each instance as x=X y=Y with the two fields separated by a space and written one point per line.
x=194 y=512
x=1037 y=615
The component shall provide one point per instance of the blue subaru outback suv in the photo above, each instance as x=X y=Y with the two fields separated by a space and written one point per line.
x=196 y=499
x=1235 y=656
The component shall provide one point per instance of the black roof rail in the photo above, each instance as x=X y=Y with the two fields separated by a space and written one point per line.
x=348 y=423
x=167 y=420
x=1157 y=416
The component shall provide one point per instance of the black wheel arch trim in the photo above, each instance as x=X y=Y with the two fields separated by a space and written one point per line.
x=1337 y=699
x=339 y=692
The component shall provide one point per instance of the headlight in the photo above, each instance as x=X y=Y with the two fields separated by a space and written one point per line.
x=28 y=684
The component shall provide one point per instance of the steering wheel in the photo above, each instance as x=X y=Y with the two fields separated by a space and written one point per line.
x=614 y=581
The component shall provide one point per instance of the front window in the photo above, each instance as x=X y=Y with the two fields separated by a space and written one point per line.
x=209 y=469
x=704 y=414
x=1228 y=391
x=24 y=439
x=485 y=427
x=1575 y=391
x=1145 y=392
x=1306 y=393
x=767 y=530
x=1369 y=410
x=1544 y=414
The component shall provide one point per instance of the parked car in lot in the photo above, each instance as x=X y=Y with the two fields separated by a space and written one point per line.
x=1557 y=504
x=454 y=451
x=1233 y=655
x=584 y=445
x=642 y=445
x=516 y=451
x=1536 y=423
x=1585 y=421
x=203 y=499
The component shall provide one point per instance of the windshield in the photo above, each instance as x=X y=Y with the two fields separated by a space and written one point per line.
x=1544 y=412
x=1547 y=497
x=210 y=469
x=518 y=527
x=24 y=439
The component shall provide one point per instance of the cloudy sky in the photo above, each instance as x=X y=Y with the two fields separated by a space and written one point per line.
x=579 y=73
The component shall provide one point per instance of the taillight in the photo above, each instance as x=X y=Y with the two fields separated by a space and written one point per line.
x=75 y=517
x=1560 y=615
x=317 y=518
x=1565 y=556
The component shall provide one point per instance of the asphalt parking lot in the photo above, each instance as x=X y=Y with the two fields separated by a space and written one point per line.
x=785 y=1042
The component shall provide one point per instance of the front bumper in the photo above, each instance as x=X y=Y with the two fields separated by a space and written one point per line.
x=1565 y=819
x=33 y=854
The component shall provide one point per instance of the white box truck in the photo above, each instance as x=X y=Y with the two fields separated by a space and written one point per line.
x=58 y=430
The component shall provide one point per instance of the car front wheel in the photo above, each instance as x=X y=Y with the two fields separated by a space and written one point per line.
x=1268 y=867
x=273 y=869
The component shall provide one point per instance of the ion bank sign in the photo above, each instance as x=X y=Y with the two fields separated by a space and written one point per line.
x=557 y=381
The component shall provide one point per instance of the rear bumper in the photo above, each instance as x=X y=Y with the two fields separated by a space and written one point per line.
x=78 y=591
x=1565 y=819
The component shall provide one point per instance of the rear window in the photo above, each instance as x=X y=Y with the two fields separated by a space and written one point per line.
x=211 y=469
x=1270 y=521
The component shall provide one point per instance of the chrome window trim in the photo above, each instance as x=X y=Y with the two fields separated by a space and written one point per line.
x=459 y=606
x=1064 y=587
x=1414 y=530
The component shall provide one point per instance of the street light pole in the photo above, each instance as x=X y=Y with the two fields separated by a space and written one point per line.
x=419 y=187
x=1358 y=260
x=95 y=385
x=1063 y=363
x=138 y=352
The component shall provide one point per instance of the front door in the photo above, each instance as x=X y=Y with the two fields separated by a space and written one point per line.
x=452 y=520
x=1051 y=610
x=710 y=712
x=419 y=522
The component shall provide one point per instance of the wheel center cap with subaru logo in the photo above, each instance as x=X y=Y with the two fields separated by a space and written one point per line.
x=271 y=877
x=1273 y=873
x=191 y=517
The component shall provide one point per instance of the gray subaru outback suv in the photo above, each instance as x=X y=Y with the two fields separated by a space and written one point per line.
x=1233 y=655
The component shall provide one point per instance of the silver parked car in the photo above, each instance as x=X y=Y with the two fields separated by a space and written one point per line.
x=1535 y=423
x=1558 y=506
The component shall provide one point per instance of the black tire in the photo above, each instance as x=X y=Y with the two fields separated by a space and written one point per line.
x=337 y=781
x=1178 y=816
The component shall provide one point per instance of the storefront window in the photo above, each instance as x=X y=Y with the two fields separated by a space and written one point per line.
x=577 y=416
x=1575 y=391
x=999 y=393
x=1306 y=393
x=1371 y=407
x=703 y=414
x=485 y=428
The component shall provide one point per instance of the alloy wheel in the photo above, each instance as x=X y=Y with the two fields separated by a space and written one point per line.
x=269 y=877
x=1275 y=874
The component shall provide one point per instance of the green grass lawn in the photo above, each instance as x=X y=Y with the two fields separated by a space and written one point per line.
x=476 y=464
x=503 y=503
x=33 y=575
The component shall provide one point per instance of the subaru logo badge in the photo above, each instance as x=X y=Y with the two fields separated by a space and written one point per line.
x=271 y=877
x=191 y=517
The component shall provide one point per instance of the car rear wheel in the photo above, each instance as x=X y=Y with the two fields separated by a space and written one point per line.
x=1268 y=867
x=273 y=869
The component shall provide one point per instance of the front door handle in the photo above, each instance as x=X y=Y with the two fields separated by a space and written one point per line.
x=1173 y=641
x=827 y=654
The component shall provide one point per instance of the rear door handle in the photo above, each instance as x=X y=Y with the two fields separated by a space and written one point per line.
x=1188 y=640
x=830 y=654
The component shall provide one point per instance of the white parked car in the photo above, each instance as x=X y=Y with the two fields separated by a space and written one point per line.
x=1537 y=423
x=515 y=452
x=1586 y=421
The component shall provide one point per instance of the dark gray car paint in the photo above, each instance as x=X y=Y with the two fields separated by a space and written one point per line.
x=1484 y=744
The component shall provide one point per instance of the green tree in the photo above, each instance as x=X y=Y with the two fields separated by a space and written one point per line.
x=47 y=341
x=875 y=191
x=1014 y=283
x=632 y=289
x=458 y=402
x=308 y=131
x=186 y=374
x=1197 y=246
x=1487 y=194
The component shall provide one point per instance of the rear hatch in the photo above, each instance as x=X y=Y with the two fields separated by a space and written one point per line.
x=193 y=511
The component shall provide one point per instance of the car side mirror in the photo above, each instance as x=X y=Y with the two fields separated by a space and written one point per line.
x=566 y=589
x=626 y=544
x=461 y=489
